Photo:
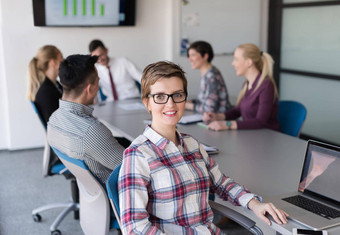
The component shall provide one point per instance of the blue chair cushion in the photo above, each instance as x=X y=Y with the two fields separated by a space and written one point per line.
x=59 y=169
x=114 y=222
x=291 y=115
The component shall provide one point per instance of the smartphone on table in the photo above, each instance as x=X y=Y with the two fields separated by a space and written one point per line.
x=298 y=231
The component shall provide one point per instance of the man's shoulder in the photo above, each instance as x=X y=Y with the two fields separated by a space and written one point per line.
x=72 y=118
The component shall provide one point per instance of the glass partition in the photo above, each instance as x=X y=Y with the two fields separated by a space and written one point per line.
x=311 y=39
x=321 y=97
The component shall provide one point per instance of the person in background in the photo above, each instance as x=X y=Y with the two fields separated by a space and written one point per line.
x=213 y=94
x=43 y=88
x=118 y=76
x=257 y=102
x=72 y=129
x=166 y=176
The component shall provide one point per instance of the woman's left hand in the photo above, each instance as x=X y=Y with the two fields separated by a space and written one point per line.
x=260 y=209
x=218 y=125
x=222 y=125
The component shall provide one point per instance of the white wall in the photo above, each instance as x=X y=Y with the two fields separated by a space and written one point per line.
x=4 y=132
x=223 y=63
x=144 y=43
x=155 y=37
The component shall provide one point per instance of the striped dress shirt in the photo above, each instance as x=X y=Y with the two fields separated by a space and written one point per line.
x=164 y=188
x=74 y=131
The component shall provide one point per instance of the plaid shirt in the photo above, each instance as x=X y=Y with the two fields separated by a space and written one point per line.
x=164 y=189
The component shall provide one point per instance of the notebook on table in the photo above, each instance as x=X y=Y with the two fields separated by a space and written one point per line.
x=192 y=118
x=316 y=203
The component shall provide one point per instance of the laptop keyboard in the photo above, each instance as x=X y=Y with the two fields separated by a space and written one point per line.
x=313 y=206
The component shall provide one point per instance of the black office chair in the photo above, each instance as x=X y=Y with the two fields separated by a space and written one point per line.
x=52 y=166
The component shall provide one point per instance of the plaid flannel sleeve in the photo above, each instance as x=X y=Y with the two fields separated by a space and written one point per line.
x=133 y=194
x=225 y=186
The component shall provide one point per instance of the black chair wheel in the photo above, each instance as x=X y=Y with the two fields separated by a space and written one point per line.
x=36 y=218
x=56 y=232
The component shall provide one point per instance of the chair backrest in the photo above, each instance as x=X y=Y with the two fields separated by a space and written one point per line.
x=291 y=116
x=39 y=115
x=94 y=204
x=47 y=149
x=139 y=86
x=112 y=192
x=102 y=96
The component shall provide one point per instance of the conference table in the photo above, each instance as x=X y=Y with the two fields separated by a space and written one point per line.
x=267 y=162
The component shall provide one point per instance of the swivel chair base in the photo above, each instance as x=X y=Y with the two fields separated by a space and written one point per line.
x=73 y=205
x=68 y=207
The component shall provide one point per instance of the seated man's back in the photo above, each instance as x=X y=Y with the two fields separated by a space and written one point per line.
x=72 y=129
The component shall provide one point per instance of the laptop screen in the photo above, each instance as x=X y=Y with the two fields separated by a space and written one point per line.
x=321 y=171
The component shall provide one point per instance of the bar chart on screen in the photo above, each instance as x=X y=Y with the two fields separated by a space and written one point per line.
x=82 y=12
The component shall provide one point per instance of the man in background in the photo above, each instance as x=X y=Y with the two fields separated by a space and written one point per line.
x=118 y=76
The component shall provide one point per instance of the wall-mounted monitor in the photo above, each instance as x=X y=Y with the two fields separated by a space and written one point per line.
x=74 y=13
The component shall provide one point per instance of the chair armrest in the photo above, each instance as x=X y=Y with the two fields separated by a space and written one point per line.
x=242 y=220
x=46 y=159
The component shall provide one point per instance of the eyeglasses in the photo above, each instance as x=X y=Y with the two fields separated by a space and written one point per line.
x=162 y=98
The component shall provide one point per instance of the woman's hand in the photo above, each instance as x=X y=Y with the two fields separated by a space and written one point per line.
x=260 y=209
x=222 y=125
x=210 y=116
x=218 y=126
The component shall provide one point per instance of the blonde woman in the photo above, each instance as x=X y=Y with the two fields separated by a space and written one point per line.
x=43 y=88
x=257 y=103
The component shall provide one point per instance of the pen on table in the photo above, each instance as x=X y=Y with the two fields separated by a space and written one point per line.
x=203 y=125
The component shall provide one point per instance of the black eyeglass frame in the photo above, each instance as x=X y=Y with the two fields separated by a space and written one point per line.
x=169 y=95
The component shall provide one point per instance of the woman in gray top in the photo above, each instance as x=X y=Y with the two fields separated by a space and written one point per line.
x=213 y=94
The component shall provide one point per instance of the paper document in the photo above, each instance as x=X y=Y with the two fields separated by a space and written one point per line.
x=191 y=119
x=203 y=125
x=210 y=149
x=132 y=106
x=147 y=122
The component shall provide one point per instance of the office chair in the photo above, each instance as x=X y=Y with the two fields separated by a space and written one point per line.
x=291 y=116
x=245 y=222
x=138 y=86
x=55 y=168
x=94 y=205
x=101 y=94
x=112 y=192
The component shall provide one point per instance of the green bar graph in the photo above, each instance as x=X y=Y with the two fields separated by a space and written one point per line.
x=74 y=7
x=101 y=9
x=65 y=7
x=84 y=7
x=93 y=7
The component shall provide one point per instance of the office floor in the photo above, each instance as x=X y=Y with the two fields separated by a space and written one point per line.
x=23 y=188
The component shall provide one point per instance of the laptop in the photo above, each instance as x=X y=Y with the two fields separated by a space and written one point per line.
x=316 y=204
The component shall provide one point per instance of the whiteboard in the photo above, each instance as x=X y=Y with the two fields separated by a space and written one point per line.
x=223 y=23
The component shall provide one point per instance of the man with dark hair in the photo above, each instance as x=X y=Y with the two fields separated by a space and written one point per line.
x=72 y=129
x=118 y=76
